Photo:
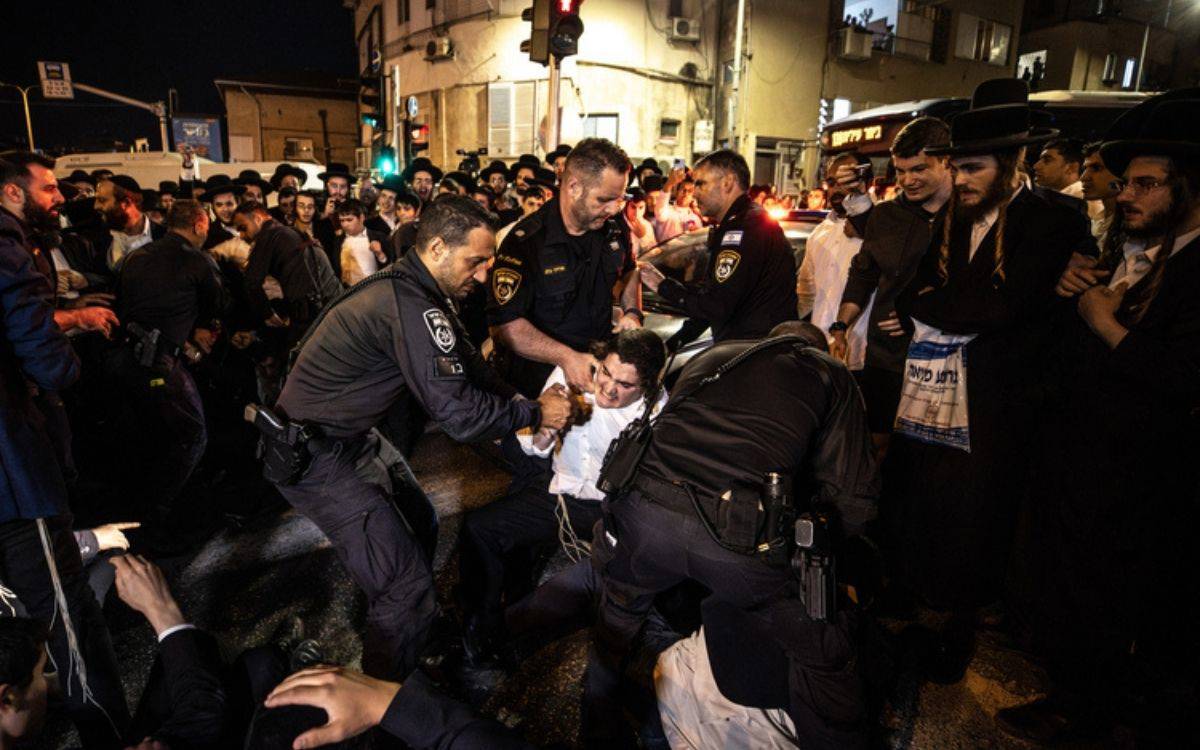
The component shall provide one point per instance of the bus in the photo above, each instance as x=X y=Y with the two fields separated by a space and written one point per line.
x=1085 y=115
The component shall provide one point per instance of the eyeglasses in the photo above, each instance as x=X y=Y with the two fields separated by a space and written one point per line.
x=1138 y=185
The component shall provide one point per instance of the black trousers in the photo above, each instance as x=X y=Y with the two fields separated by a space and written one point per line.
x=102 y=719
x=347 y=493
x=169 y=415
x=492 y=536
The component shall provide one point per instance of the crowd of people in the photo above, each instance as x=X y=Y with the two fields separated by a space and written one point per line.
x=971 y=407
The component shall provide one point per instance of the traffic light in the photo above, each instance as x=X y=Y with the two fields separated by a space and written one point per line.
x=418 y=138
x=371 y=95
x=565 y=27
x=386 y=163
x=538 y=43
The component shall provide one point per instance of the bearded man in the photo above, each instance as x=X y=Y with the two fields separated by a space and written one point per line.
x=979 y=304
x=119 y=201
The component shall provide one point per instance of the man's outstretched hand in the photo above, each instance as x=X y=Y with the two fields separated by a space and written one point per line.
x=353 y=701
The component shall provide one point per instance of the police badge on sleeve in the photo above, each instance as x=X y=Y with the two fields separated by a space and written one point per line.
x=505 y=283
x=727 y=263
x=440 y=328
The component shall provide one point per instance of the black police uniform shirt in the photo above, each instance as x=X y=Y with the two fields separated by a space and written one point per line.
x=390 y=335
x=750 y=284
x=170 y=285
x=562 y=284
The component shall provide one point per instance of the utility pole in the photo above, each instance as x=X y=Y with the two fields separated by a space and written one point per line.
x=735 y=115
x=25 y=100
x=552 y=104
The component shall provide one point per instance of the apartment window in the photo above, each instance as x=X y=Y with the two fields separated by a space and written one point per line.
x=403 y=11
x=668 y=131
x=512 y=114
x=600 y=126
x=982 y=39
x=298 y=148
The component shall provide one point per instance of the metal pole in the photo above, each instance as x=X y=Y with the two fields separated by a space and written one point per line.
x=395 y=120
x=162 y=125
x=28 y=120
x=552 y=104
x=736 y=99
x=1145 y=44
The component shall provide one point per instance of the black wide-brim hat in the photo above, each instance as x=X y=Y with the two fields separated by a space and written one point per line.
x=168 y=187
x=285 y=169
x=495 y=167
x=1163 y=126
x=421 y=164
x=80 y=176
x=528 y=161
x=462 y=178
x=219 y=184
x=648 y=163
x=999 y=119
x=254 y=177
x=545 y=177
x=393 y=182
x=150 y=201
x=337 y=169
x=562 y=150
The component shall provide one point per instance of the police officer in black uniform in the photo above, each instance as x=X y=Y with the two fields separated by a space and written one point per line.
x=555 y=276
x=695 y=509
x=750 y=284
x=167 y=293
x=397 y=333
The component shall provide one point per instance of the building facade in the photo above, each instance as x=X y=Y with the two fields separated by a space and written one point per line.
x=664 y=78
x=1107 y=45
x=292 y=117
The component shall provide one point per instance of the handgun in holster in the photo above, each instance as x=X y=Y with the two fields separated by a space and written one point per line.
x=813 y=565
x=284 y=445
x=146 y=342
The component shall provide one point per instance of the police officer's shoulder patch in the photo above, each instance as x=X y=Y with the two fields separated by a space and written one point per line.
x=448 y=367
x=505 y=282
x=440 y=329
x=727 y=263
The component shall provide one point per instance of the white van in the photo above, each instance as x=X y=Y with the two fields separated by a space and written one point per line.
x=149 y=169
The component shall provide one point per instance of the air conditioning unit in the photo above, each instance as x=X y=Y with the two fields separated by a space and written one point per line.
x=853 y=44
x=362 y=159
x=439 y=48
x=685 y=30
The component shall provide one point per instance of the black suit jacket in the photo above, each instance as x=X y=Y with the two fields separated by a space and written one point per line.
x=184 y=704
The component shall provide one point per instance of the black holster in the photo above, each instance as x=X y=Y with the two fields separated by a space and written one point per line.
x=284 y=445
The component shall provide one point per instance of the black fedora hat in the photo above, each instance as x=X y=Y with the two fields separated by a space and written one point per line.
x=562 y=150
x=526 y=161
x=421 y=164
x=462 y=178
x=219 y=184
x=254 y=177
x=80 y=176
x=999 y=119
x=337 y=169
x=495 y=167
x=68 y=190
x=285 y=169
x=648 y=163
x=1162 y=126
x=394 y=183
x=150 y=201
x=545 y=177
x=168 y=187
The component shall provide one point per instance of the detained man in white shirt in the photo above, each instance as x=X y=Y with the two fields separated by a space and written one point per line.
x=362 y=251
x=561 y=506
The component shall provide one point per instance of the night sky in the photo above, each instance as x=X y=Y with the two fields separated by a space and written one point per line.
x=141 y=49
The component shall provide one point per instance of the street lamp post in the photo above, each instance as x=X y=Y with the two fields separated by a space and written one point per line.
x=25 y=100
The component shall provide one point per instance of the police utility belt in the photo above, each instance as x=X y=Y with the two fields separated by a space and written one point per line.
x=760 y=523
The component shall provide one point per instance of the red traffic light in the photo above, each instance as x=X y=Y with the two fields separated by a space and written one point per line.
x=568 y=6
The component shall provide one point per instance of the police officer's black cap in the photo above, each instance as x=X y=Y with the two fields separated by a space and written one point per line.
x=495 y=167
x=653 y=182
x=337 y=169
x=80 y=176
x=125 y=182
x=168 y=187
x=254 y=177
x=219 y=184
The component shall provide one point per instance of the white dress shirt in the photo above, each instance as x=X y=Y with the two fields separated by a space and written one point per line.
x=1137 y=260
x=358 y=262
x=124 y=244
x=822 y=279
x=983 y=225
x=578 y=459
